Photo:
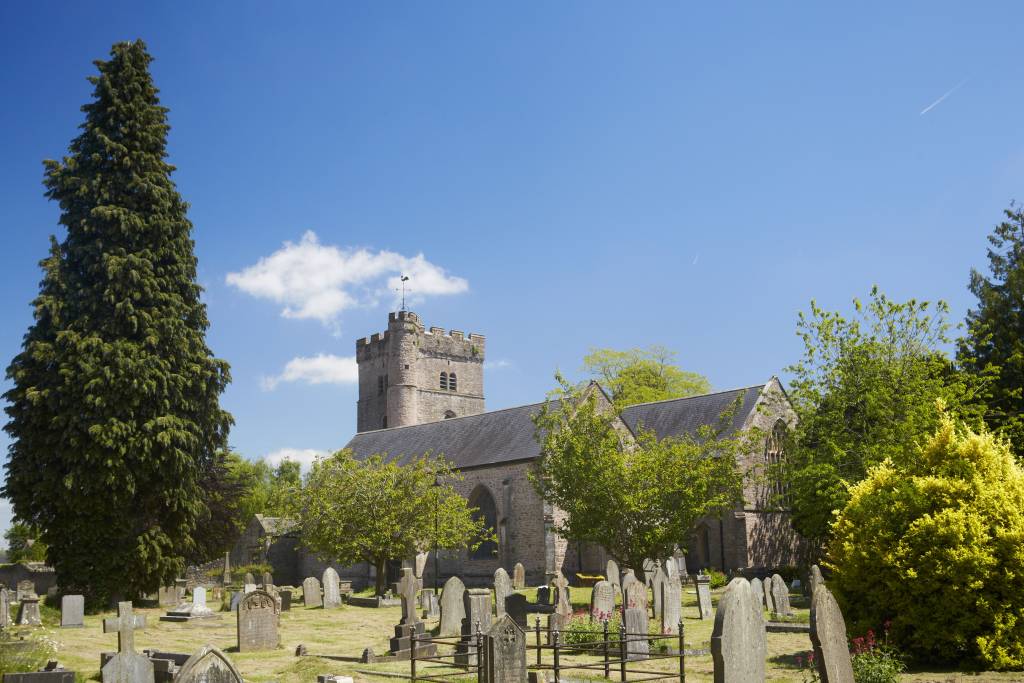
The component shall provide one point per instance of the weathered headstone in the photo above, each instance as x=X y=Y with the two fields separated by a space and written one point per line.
x=506 y=652
x=476 y=603
x=516 y=606
x=5 y=608
x=55 y=675
x=611 y=570
x=560 y=586
x=208 y=665
x=502 y=588
x=518 y=576
x=268 y=579
x=311 y=592
x=627 y=578
x=780 y=596
x=257 y=622
x=757 y=591
x=703 y=584
x=187 y=611
x=637 y=629
x=249 y=588
x=226 y=578
x=26 y=589
x=452 y=609
x=72 y=611
x=671 y=604
x=828 y=635
x=332 y=593
x=28 y=611
x=658 y=579
x=739 y=644
x=634 y=595
x=544 y=595
x=127 y=666
x=236 y=597
x=670 y=567
x=249 y=578
x=602 y=601
x=286 y=599
x=168 y=596
x=407 y=590
x=816 y=578
x=767 y=587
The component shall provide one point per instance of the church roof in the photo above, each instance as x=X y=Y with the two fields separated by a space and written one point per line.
x=504 y=436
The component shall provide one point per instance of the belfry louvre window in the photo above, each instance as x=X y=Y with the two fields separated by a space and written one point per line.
x=444 y=381
x=775 y=461
x=451 y=382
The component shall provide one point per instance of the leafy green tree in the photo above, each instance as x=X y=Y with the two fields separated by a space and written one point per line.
x=114 y=412
x=273 y=491
x=934 y=543
x=993 y=348
x=23 y=544
x=638 y=498
x=375 y=510
x=642 y=375
x=865 y=390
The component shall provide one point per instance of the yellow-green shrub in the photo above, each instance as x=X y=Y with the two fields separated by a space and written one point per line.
x=935 y=545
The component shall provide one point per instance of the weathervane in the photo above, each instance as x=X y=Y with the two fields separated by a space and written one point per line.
x=405 y=278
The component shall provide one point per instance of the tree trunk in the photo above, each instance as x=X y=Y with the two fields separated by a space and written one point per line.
x=381 y=564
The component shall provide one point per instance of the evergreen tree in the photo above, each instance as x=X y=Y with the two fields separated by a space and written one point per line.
x=994 y=345
x=114 y=415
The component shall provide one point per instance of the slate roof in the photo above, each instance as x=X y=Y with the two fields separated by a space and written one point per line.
x=504 y=436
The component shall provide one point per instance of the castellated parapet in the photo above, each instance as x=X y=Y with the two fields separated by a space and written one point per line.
x=410 y=375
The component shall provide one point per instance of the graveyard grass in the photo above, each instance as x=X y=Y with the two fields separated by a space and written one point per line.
x=346 y=631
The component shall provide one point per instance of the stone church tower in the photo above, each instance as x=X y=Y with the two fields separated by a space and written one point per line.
x=409 y=375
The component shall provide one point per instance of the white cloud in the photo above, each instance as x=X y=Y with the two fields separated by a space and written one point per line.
x=323 y=368
x=303 y=456
x=317 y=281
x=497 y=364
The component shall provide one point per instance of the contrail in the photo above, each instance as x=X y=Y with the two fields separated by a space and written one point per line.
x=938 y=101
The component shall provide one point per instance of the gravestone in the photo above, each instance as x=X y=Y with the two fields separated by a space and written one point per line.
x=634 y=595
x=757 y=591
x=611 y=571
x=780 y=596
x=407 y=590
x=410 y=626
x=187 y=611
x=816 y=578
x=26 y=589
x=249 y=588
x=332 y=593
x=658 y=579
x=767 y=587
x=602 y=601
x=72 y=611
x=5 y=608
x=452 y=609
x=236 y=597
x=208 y=665
x=249 y=578
x=55 y=675
x=703 y=583
x=544 y=595
x=627 y=578
x=311 y=592
x=433 y=608
x=127 y=666
x=268 y=579
x=560 y=586
x=518 y=576
x=671 y=567
x=739 y=644
x=506 y=652
x=28 y=611
x=286 y=600
x=671 y=604
x=516 y=607
x=637 y=629
x=168 y=596
x=257 y=622
x=476 y=604
x=502 y=588
x=226 y=578
x=828 y=635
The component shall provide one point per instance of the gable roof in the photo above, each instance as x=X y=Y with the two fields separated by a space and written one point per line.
x=505 y=436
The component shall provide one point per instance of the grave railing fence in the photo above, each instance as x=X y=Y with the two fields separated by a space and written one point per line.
x=471 y=652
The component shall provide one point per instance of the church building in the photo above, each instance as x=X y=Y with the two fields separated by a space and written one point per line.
x=422 y=391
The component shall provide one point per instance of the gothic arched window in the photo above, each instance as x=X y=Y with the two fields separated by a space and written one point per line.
x=777 y=487
x=486 y=510
x=444 y=381
x=451 y=382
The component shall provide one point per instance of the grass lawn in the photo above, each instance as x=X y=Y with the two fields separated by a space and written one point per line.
x=346 y=631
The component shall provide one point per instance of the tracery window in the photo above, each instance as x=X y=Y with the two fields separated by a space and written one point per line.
x=486 y=510
x=777 y=486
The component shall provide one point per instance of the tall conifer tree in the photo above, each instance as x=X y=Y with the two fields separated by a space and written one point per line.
x=114 y=413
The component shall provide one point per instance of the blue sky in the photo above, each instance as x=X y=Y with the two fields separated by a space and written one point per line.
x=558 y=175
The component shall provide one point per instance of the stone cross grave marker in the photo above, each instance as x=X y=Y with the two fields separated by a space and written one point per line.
x=602 y=601
x=257 y=622
x=757 y=590
x=703 y=583
x=311 y=592
x=671 y=604
x=28 y=611
x=780 y=596
x=127 y=666
x=506 y=652
x=739 y=644
x=828 y=635
x=658 y=579
x=518 y=576
x=452 y=610
x=637 y=628
x=611 y=570
x=208 y=665
x=407 y=590
x=332 y=589
x=502 y=589
x=72 y=611
x=634 y=595
x=816 y=578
